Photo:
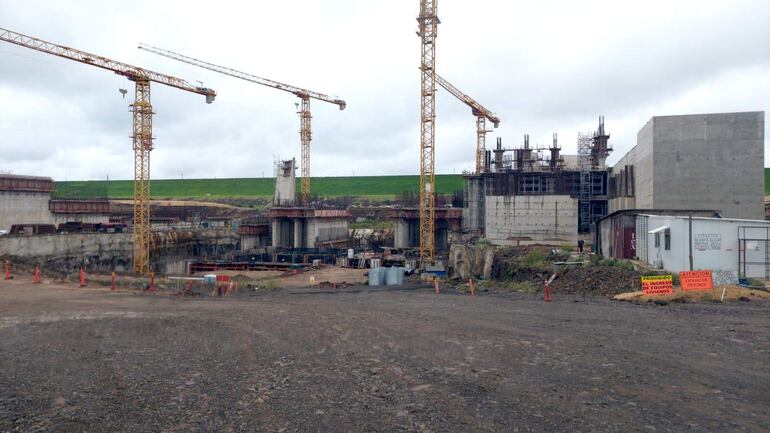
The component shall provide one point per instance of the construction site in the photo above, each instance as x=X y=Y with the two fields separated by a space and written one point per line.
x=566 y=286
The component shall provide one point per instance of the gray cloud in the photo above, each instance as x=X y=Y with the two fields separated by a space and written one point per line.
x=543 y=67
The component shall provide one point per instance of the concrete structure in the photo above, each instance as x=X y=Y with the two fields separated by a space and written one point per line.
x=534 y=195
x=27 y=200
x=254 y=235
x=112 y=251
x=84 y=211
x=700 y=161
x=473 y=212
x=512 y=220
x=716 y=244
x=448 y=227
x=285 y=183
x=24 y=199
x=308 y=228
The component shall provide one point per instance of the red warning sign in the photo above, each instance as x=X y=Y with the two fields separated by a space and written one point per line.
x=696 y=280
x=657 y=285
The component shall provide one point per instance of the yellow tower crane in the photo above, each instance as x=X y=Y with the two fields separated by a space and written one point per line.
x=481 y=113
x=142 y=128
x=304 y=110
x=428 y=25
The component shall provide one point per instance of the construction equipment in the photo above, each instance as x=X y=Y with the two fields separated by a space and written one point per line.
x=481 y=113
x=428 y=25
x=304 y=109
x=142 y=128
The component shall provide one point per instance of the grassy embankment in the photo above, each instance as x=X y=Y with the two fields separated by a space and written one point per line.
x=373 y=187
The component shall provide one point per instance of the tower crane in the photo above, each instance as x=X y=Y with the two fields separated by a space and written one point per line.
x=482 y=115
x=428 y=25
x=304 y=111
x=142 y=127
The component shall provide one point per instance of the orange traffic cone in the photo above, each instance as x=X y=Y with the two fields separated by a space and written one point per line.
x=37 y=274
x=82 y=277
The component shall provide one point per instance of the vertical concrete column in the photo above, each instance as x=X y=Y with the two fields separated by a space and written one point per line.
x=475 y=204
x=401 y=235
x=276 y=233
x=413 y=233
x=311 y=230
x=297 y=232
x=441 y=236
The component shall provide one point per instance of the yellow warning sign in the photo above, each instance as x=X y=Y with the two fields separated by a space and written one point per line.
x=657 y=285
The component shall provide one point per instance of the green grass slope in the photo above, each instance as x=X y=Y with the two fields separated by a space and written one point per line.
x=368 y=186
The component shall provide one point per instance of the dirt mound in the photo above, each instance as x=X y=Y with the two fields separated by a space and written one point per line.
x=597 y=280
x=528 y=267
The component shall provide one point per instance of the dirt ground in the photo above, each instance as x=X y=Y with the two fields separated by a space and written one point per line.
x=305 y=278
x=377 y=359
x=732 y=293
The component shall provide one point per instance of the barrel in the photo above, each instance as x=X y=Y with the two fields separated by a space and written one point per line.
x=376 y=276
x=395 y=276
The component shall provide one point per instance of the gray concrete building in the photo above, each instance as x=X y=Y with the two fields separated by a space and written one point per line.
x=530 y=194
x=699 y=161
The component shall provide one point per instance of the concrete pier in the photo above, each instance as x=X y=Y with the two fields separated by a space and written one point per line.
x=297 y=227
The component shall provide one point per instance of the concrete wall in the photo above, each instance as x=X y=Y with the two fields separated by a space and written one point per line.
x=699 y=161
x=24 y=207
x=710 y=161
x=320 y=230
x=61 y=245
x=531 y=218
x=83 y=218
x=641 y=158
x=112 y=251
x=249 y=242
x=715 y=244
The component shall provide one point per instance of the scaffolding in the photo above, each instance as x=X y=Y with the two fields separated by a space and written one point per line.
x=585 y=144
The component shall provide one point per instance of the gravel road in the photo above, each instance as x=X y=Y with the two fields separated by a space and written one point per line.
x=386 y=361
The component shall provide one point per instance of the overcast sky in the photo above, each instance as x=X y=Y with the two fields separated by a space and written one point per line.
x=543 y=67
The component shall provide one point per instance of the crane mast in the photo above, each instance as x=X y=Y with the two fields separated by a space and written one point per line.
x=142 y=128
x=482 y=115
x=305 y=132
x=428 y=25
